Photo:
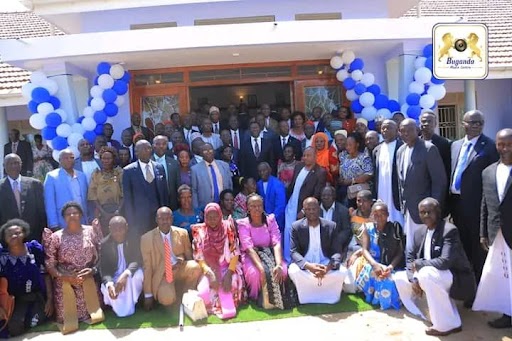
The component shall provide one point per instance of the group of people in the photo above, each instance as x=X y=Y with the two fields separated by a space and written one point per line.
x=269 y=207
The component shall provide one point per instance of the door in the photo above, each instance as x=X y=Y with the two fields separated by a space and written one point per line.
x=324 y=93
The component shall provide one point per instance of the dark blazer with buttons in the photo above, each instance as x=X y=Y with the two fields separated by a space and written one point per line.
x=109 y=258
x=446 y=253
x=24 y=151
x=278 y=148
x=495 y=215
x=329 y=238
x=313 y=184
x=248 y=162
x=394 y=173
x=341 y=218
x=173 y=181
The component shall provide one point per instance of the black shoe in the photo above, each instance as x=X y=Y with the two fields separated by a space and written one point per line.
x=434 y=332
x=468 y=304
x=502 y=322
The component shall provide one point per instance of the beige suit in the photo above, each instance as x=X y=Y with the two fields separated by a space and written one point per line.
x=186 y=273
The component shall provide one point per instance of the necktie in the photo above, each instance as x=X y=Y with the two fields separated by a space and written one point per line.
x=461 y=166
x=216 y=130
x=215 y=184
x=15 y=147
x=17 y=196
x=168 y=266
x=256 y=148
x=235 y=140
x=149 y=175
x=284 y=142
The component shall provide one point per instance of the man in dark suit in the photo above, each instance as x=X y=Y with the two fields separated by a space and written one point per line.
x=421 y=174
x=145 y=190
x=496 y=231
x=137 y=128
x=23 y=149
x=316 y=250
x=108 y=131
x=273 y=192
x=170 y=166
x=256 y=149
x=237 y=135
x=284 y=139
x=22 y=197
x=386 y=176
x=470 y=156
x=120 y=268
x=316 y=117
x=437 y=267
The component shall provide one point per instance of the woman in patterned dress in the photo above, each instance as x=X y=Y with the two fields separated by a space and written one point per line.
x=286 y=166
x=248 y=186
x=298 y=122
x=215 y=248
x=71 y=258
x=42 y=158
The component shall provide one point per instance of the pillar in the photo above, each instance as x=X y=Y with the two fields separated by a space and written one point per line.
x=469 y=95
x=4 y=136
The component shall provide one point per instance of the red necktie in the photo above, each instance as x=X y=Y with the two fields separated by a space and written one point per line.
x=235 y=141
x=168 y=266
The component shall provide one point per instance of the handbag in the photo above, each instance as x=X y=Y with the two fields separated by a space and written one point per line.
x=352 y=190
x=194 y=306
x=6 y=301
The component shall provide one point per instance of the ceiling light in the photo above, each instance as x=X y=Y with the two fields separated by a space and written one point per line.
x=236 y=54
x=320 y=72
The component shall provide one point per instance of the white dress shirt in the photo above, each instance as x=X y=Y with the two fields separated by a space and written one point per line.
x=315 y=253
x=168 y=237
x=18 y=180
x=427 y=250
x=407 y=159
x=283 y=140
x=88 y=167
x=161 y=160
x=142 y=166
x=328 y=213
x=121 y=265
x=502 y=174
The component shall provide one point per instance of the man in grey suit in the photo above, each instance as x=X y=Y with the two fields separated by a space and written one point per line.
x=171 y=168
x=421 y=174
x=209 y=177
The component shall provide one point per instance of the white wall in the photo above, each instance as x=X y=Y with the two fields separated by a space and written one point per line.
x=494 y=99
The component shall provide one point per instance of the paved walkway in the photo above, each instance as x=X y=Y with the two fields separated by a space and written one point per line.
x=370 y=325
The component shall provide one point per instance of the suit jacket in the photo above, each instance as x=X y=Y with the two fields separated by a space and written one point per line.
x=32 y=205
x=78 y=164
x=142 y=200
x=446 y=253
x=57 y=192
x=329 y=238
x=426 y=177
x=313 y=184
x=248 y=162
x=24 y=151
x=274 y=198
x=153 y=255
x=148 y=134
x=495 y=214
x=443 y=146
x=173 y=181
x=278 y=148
x=109 y=258
x=218 y=155
x=273 y=125
x=115 y=144
x=341 y=218
x=394 y=173
x=320 y=128
x=202 y=192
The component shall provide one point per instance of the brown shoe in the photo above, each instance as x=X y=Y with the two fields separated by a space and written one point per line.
x=435 y=332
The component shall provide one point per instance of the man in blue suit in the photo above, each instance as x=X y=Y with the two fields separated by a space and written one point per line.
x=145 y=191
x=62 y=185
x=273 y=192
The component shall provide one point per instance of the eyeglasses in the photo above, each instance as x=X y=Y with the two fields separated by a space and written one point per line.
x=474 y=123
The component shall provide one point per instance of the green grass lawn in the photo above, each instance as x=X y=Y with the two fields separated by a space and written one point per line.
x=161 y=318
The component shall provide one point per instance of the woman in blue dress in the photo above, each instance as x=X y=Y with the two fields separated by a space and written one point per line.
x=383 y=249
x=186 y=215
x=22 y=264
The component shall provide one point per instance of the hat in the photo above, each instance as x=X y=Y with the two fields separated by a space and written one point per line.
x=341 y=132
x=363 y=121
x=214 y=108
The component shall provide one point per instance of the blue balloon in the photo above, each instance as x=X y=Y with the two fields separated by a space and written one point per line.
x=126 y=77
x=435 y=80
x=381 y=101
x=49 y=133
x=59 y=143
x=414 y=112
x=40 y=95
x=429 y=63
x=371 y=125
x=360 y=88
x=99 y=129
x=90 y=136
x=393 y=105
x=357 y=64
x=53 y=120
x=100 y=117
x=103 y=68
x=413 y=99
x=120 y=87
x=89 y=101
x=356 y=106
x=374 y=89
x=109 y=95
x=55 y=102
x=111 y=109
x=96 y=80
x=80 y=119
x=349 y=83
x=428 y=50
x=32 y=106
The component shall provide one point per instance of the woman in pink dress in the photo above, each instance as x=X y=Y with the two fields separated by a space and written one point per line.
x=264 y=268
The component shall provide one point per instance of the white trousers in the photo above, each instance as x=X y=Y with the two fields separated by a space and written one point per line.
x=349 y=284
x=436 y=286
x=410 y=227
x=309 y=290
x=124 y=304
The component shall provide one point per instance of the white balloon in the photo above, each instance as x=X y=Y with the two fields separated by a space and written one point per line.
x=384 y=113
x=74 y=138
x=404 y=108
x=119 y=101
x=96 y=91
x=438 y=91
x=88 y=112
x=62 y=114
x=368 y=79
x=367 y=99
x=369 y=113
x=38 y=77
x=416 y=88
x=425 y=110
x=357 y=75
x=336 y=62
x=64 y=130
x=51 y=86
x=55 y=153
x=78 y=128
x=341 y=75
x=423 y=75
x=98 y=104
x=348 y=57
x=89 y=123
x=351 y=95
x=420 y=62
x=37 y=121
x=26 y=90
x=45 y=108
x=106 y=81
x=427 y=101
x=117 y=71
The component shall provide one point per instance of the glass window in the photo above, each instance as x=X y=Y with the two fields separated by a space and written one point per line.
x=212 y=75
x=310 y=70
x=266 y=72
x=158 y=78
x=157 y=109
x=326 y=97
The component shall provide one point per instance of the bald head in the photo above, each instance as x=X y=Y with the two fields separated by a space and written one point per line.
x=309 y=156
x=143 y=150
x=408 y=131
x=473 y=123
x=12 y=165
x=389 y=130
x=371 y=139
x=504 y=145
x=430 y=212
